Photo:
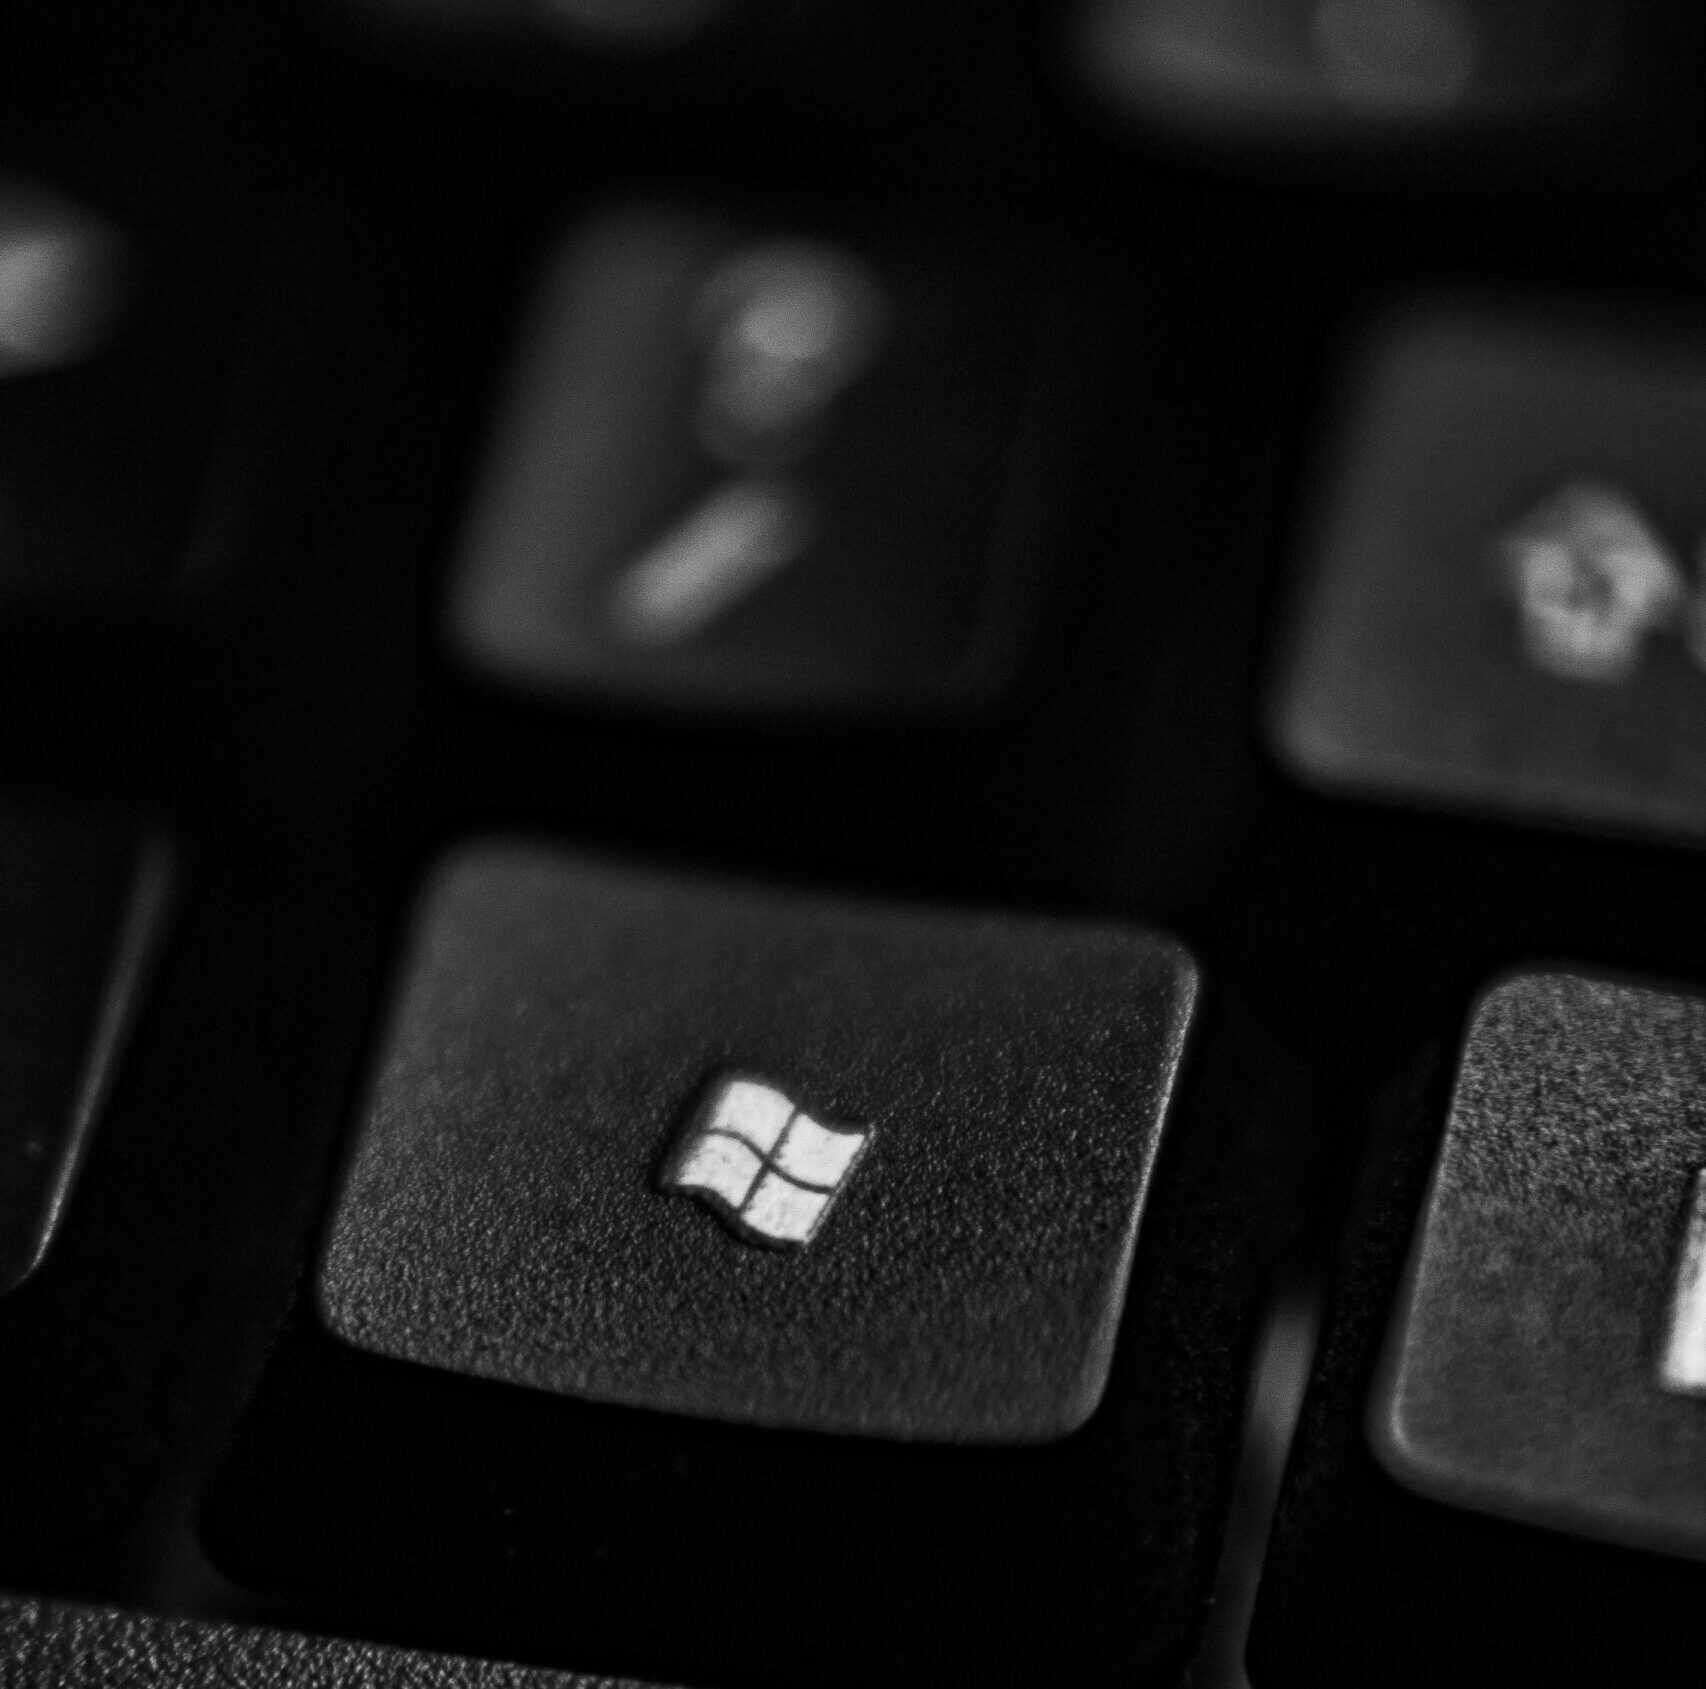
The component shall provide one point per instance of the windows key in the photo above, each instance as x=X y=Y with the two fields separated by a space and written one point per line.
x=757 y=1156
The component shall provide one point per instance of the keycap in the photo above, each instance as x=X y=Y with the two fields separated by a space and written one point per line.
x=713 y=1224
x=946 y=1126
x=81 y=903
x=1353 y=77
x=1496 y=1473
x=121 y=285
x=58 y=1645
x=62 y=279
x=1502 y=608
x=754 y=463
x=1549 y=1354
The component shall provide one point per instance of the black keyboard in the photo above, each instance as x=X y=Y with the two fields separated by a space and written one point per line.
x=851 y=844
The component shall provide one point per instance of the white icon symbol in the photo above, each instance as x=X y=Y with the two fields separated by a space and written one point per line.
x=787 y=327
x=767 y=1169
x=1592 y=580
x=1684 y=1364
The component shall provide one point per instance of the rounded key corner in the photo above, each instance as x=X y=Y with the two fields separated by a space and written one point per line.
x=1386 y=1431
x=470 y=858
x=1428 y=1473
x=1306 y=738
x=18 y=1267
x=330 y=1305
x=1189 y=972
x=1518 y=978
x=1412 y=1461
x=1076 y=1410
x=1509 y=982
x=326 y=1309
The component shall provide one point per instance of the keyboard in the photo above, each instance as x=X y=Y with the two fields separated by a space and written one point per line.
x=851 y=843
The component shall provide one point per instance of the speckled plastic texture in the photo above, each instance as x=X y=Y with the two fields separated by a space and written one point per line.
x=46 y=1645
x=556 y=1022
x=1522 y=1367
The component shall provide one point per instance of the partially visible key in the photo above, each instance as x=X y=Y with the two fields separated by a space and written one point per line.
x=1499 y=1473
x=55 y=1645
x=1546 y=1358
x=80 y=909
x=1345 y=79
x=1504 y=608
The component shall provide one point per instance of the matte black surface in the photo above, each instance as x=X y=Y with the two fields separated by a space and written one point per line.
x=80 y=907
x=1408 y=678
x=1367 y=1581
x=298 y=720
x=557 y=1021
x=47 y=1645
x=1523 y=1363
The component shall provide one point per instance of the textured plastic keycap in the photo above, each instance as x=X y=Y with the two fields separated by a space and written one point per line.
x=49 y=1645
x=980 y=1099
x=1531 y=1361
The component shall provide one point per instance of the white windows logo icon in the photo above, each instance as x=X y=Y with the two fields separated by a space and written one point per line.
x=766 y=1168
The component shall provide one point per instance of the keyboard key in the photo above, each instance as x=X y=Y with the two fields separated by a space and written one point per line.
x=1545 y=1360
x=1354 y=73
x=940 y=1128
x=53 y=1645
x=1507 y=594
x=62 y=279
x=120 y=288
x=80 y=907
x=1496 y=1474
x=829 y=1236
x=752 y=465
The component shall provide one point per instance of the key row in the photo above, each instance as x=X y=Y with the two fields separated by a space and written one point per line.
x=1341 y=82
x=697 y=1165
x=768 y=466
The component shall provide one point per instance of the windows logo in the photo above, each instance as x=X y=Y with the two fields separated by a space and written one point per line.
x=769 y=1171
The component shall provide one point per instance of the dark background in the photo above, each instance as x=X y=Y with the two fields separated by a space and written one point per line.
x=223 y=612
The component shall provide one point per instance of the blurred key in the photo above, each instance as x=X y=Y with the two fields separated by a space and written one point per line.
x=1348 y=74
x=1499 y=1473
x=125 y=235
x=79 y=910
x=749 y=466
x=1506 y=597
x=55 y=1645
x=62 y=280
